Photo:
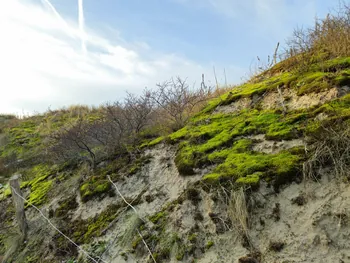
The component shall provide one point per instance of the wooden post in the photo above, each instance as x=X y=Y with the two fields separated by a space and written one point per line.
x=19 y=204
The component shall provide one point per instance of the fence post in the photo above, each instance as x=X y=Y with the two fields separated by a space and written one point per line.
x=19 y=204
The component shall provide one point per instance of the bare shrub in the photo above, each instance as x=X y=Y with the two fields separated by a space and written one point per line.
x=113 y=130
x=138 y=111
x=179 y=101
x=78 y=141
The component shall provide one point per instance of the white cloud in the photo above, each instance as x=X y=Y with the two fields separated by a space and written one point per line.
x=42 y=64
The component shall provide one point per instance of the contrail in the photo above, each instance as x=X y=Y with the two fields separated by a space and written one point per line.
x=53 y=9
x=59 y=17
x=81 y=25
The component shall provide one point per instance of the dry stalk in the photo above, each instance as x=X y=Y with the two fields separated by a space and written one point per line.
x=330 y=149
x=238 y=212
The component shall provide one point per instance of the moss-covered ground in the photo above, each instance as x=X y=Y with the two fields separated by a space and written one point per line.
x=223 y=139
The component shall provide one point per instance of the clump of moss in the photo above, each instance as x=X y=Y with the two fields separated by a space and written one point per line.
x=138 y=164
x=39 y=184
x=184 y=161
x=83 y=231
x=23 y=139
x=155 y=219
x=249 y=168
x=251 y=180
x=209 y=244
x=95 y=187
x=153 y=142
x=192 y=238
x=65 y=206
x=39 y=192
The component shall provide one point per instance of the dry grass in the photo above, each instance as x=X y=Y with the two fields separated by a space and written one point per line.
x=238 y=212
x=330 y=149
x=328 y=38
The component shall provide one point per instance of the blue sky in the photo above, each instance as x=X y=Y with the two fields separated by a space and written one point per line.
x=131 y=44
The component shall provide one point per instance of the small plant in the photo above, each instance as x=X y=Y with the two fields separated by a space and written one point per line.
x=276 y=246
x=299 y=200
x=209 y=244
x=192 y=238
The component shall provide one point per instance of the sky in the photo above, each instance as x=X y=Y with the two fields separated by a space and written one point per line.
x=55 y=53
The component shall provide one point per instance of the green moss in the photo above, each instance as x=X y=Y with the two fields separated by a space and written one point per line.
x=343 y=79
x=137 y=165
x=65 y=206
x=321 y=75
x=184 y=160
x=95 y=187
x=38 y=193
x=192 y=238
x=5 y=192
x=84 y=231
x=157 y=217
x=209 y=244
x=179 y=134
x=251 y=180
x=38 y=174
x=332 y=65
x=156 y=141
x=180 y=255
x=248 y=168
x=136 y=242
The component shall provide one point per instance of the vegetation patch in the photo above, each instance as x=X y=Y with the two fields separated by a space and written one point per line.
x=39 y=193
x=138 y=164
x=215 y=138
x=209 y=244
x=39 y=184
x=158 y=218
x=83 y=231
x=216 y=141
x=96 y=186
x=65 y=206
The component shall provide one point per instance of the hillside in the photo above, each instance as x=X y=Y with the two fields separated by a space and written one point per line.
x=259 y=173
x=232 y=182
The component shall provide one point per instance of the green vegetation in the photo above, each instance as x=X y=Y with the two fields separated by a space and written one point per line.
x=39 y=192
x=155 y=219
x=65 y=206
x=22 y=139
x=136 y=165
x=83 y=231
x=215 y=138
x=209 y=244
x=192 y=238
x=216 y=142
x=39 y=184
x=95 y=186
x=320 y=76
